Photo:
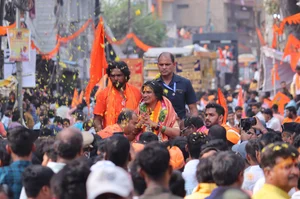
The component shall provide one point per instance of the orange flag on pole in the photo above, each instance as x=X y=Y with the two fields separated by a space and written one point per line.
x=223 y=103
x=80 y=97
x=240 y=98
x=75 y=98
x=281 y=100
x=98 y=61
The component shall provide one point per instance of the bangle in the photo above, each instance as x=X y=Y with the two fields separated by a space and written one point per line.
x=163 y=129
x=157 y=127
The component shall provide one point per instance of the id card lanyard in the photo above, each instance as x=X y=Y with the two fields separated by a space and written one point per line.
x=172 y=89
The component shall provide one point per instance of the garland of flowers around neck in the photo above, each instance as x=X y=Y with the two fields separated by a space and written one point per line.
x=161 y=118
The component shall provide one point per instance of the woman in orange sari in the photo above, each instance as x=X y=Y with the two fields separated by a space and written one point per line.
x=156 y=113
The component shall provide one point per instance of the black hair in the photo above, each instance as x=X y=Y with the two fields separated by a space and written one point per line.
x=238 y=108
x=194 y=143
x=125 y=116
x=217 y=132
x=148 y=137
x=275 y=150
x=51 y=113
x=34 y=178
x=267 y=94
x=119 y=65
x=79 y=115
x=58 y=119
x=156 y=87
x=45 y=132
x=227 y=166
x=292 y=109
x=181 y=143
x=268 y=112
x=296 y=142
x=49 y=149
x=257 y=104
x=70 y=182
x=268 y=138
x=69 y=148
x=197 y=122
x=275 y=108
x=15 y=115
x=218 y=144
x=139 y=182
x=20 y=140
x=101 y=147
x=66 y=120
x=4 y=156
x=154 y=160
x=117 y=150
x=172 y=57
x=207 y=149
x=251 y=148
x=204 y=170
x=44 y=122
x=42 y=144
x=176 y=184
x=219 y=109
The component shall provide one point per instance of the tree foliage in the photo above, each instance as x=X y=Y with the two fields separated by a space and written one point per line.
x=149 y=29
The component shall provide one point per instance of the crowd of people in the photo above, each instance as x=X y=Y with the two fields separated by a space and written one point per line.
x=155 y=142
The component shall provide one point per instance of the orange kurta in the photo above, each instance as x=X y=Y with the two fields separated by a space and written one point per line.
x=289 y=120
x=109 y=131
x=110 y=103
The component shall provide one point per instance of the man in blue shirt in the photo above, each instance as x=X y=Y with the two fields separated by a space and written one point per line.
x=177 y=89
x=20 y=146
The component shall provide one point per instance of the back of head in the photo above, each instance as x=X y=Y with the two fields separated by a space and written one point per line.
x=227 y=168
x=58 y=120
x=194 y=143
x=154 y=161
x=181 y=143
x=252 y=147
x=79 y=116
x=69 y=143
x=20 y=140
x=70 y=182
x=176 y=184
x=51 y=113
x=139 y=183
x=117 y=150
x=218 y=144
x=204 y=170
x=197 y=122
x=217 y=132
x=148 y=137
x=277 y=150
x=268 y=112
x=34 y=178
x=269 y=138
x=275 y=108
x=15 y=115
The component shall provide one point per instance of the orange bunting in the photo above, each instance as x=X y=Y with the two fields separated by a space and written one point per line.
x=75 y=34
x=3 y=29
x=75 y=98
x=292 y=48
x=98 y=60
x=260 y=37
x=281 y=100
x=223 y=103
x=274 y=73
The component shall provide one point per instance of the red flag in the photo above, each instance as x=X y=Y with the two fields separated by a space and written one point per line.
x=223 y=103
x=75 y=98
x=98 y=60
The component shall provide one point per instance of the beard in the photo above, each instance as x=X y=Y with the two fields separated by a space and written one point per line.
x=118 y=85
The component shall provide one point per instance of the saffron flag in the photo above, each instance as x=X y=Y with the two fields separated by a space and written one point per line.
x=281 y=100
x=292 y=47
x=75 y=98
x=98 y=60
x=80 y=97
x=223 y=103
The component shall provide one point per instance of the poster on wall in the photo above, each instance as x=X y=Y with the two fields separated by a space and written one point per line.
x=136 y=67
x=19 y=44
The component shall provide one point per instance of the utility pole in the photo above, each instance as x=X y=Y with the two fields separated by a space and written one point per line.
x=19 y=73
x=1 y=17
x=208 y=17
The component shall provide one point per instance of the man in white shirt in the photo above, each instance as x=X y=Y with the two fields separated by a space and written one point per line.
x=271 y=122
x=256 y=110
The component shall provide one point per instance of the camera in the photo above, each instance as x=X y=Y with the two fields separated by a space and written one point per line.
x=247 y=123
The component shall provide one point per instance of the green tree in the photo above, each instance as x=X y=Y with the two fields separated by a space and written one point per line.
x=149 y=29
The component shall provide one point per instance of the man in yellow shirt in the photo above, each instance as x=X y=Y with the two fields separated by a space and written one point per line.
x=279 y=163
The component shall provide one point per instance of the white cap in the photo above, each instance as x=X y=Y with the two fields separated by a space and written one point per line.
x=113 y=180
x=88 y=138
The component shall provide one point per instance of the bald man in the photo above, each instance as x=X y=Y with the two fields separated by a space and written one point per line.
x=177 y=89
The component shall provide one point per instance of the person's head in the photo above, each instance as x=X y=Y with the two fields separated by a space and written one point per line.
x=228 y=169
x=58 y=120
x=36 y=181
x=109 y=182
x=66 y=123
x=166 y=63
x=152 y=92
x=20 y=142
x=119 y=73
x=214 y=114
x=253 y=94
x=148 y=137
x=255 y=108
x=154 y=163
x=267 y=95
x=288 y=136
x=279 y=163
x=4 y=156
x=283 y=84
x=204 y=170
x=298 y=70
x=15 y=116
x=70 y=182
x=128 y=120
x=238 y=112
x=191 y=124
x=51 y=113
x=275 y=108
x=218 y=144
x=217 y=132
x=230 y=116
x=194 y=143
x=177 y=184
x=79 y=116
x=252 y=150
x=181 y=143
x=139 y=183
x=69 y=144
x=291 y=112
x=268 y=114
x=118 y=150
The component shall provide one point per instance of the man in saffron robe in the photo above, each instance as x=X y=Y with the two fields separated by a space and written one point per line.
x=116 y=97
x=296 y=84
